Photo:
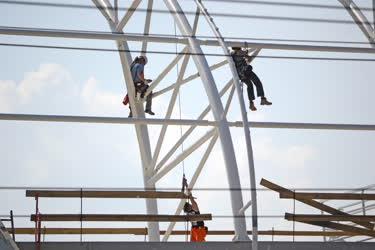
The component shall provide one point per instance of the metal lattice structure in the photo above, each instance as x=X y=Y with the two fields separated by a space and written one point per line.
x=154 y=167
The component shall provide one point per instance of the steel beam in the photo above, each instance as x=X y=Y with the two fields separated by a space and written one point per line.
x=138 y=112
x=105 y=194
x=128 y=15
x=360 y=19
x=200 y=166
x=218 y=113
x=183 y=122
x=146 y=30
x=170 y=108
x=189 y=78
x=121 y=217
x=144 y=231
x=249 y=149
x=159 y=173
x=119 y=36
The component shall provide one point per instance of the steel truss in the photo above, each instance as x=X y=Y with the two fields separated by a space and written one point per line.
x=154 y=168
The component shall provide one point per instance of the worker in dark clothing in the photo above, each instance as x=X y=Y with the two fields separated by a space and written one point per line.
x=198 y=230
x=140 y=83
x=245 y=72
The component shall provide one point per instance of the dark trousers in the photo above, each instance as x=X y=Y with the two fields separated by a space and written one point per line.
x=250 y=79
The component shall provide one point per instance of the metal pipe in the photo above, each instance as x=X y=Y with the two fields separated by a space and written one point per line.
x=162 y=39
x=360 y=19
x=165 y=170
x=188 y=79
x=128 y=15
x=182 y=122
x=146 y=30
x=191 y=184
x=218 y=113
x=168 y=115
x=141 y=129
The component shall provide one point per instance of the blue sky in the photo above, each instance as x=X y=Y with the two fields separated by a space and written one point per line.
x=45 y=81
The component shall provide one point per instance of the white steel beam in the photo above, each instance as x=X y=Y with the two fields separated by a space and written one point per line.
x=360 y=19
x=237 y=84
x=166 y=169
x=168 y=115
x=183 y=122
x=188 y=79
x=218 y=114
x=190 y=130
x=146 y=30
x=141 y=129
x=128 y=15
x=106 y=9
x=199 y=168
x=165 y=72
x=193 y=180
x=163 y=39
x=116 y=11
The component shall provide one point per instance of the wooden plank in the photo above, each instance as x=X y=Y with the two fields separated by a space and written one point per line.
x=327 y=196
x=143 y=231
x=312 y=203
x=122 y=217
x=342 y=227
x=318 y=217
x=105 y=194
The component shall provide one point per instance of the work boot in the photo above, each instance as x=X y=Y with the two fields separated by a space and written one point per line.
x=252 y=106
x=148 y=111
x=264 y=101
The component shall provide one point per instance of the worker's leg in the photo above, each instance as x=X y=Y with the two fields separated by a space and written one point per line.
x=148 y=109
x=255 y=79
x=194 y=235
x=202 y=232
x=250 y=93
x=250 y=89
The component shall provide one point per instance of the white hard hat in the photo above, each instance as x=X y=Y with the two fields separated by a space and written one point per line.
x=144 y=58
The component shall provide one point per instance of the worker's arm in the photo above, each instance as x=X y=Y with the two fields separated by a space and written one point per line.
x=194 y=204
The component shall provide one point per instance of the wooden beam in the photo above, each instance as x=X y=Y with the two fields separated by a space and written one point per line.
x=105 y=194
x=312 y=203
x=342 y=227
x=318 y=217
x=144 y=231
x=327 y=196
x=121 y=217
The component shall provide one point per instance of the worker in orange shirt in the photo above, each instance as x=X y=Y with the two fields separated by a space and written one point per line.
x=198 y=229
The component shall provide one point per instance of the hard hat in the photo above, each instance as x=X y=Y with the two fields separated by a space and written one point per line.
x=144 y=58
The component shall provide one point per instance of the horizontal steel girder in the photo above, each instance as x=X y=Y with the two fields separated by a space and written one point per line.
x=177 y=122
x=165 y=39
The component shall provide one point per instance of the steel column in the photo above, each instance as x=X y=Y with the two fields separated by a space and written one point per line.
x=218 y=113
x=141 y=129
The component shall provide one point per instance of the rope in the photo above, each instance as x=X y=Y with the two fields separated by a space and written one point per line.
x=180 y=115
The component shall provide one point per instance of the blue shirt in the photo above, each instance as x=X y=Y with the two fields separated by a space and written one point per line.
x=136 y=71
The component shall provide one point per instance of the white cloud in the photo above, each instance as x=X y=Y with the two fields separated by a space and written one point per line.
x=290 y=157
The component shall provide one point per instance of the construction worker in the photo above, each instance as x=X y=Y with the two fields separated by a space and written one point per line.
x=245 y=72
x=198 y=230
x=140 y=83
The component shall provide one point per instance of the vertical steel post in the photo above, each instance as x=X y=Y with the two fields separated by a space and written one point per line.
x=12 y=225
x=219 y=116
x=138 y=112
x=246 y=127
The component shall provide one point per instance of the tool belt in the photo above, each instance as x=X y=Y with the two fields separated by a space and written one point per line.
x=141 y=87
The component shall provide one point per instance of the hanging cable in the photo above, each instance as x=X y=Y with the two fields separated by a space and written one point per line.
x=180 y=115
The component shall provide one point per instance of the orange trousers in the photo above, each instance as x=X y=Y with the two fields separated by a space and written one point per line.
x=198 y=234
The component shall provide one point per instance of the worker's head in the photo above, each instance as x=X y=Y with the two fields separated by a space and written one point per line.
x=187 y=207
x=143 y=60
x=236 y=48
